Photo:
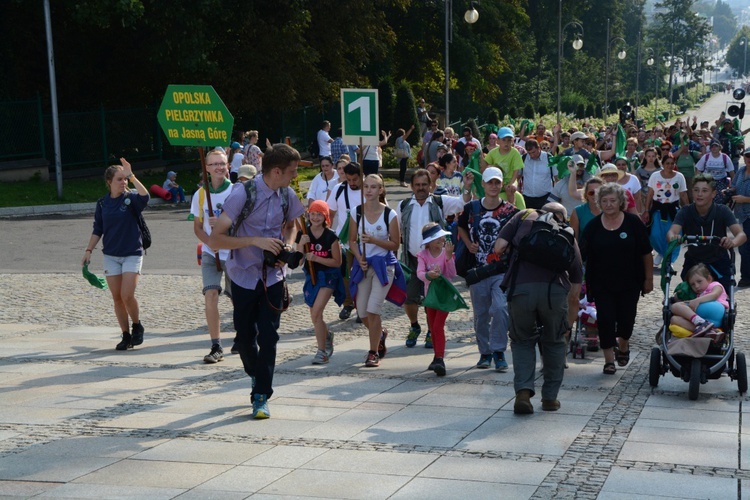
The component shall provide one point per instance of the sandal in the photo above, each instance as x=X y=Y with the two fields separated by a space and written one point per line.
x=609 y=369
x=622 y=357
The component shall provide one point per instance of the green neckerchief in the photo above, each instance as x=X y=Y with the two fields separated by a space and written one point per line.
x=227 y=184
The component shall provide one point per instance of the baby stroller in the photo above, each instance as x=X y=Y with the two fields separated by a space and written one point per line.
x=720 y=357
x=586 y=335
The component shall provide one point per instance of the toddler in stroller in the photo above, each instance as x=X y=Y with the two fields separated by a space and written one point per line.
x=702 y=315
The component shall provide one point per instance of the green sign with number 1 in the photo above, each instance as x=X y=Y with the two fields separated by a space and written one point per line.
x=359 y=116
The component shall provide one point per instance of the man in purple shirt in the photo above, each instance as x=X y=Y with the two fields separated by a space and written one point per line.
x=257 y=290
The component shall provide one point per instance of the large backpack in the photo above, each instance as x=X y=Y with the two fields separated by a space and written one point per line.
x=465 y=260
x=549 y=244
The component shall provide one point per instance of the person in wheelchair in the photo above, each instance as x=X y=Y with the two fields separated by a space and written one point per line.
x=705 y=313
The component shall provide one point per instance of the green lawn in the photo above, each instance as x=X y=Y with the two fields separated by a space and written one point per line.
x=36 y=192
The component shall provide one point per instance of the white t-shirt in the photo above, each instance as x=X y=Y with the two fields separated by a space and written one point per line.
x=667 y=190
x=339 y=205
x=217 y=200
x=371 y=153
x=321 y=188
x=377 y=230
x=719 y=167
x=323 y=143
x=538 y=177
x=237 y=160
x=633 y=185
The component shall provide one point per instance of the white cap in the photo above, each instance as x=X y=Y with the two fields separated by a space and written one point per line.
x=492 y=173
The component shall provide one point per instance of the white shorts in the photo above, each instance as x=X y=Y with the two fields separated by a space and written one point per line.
x=114 y=266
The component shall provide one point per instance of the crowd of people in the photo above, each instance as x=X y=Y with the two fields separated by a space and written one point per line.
x=616 y=202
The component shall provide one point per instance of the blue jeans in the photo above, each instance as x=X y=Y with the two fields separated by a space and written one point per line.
x=257 y=325
x=530 y=305
x=490 y=315
x=178 y=194
x=745 y=253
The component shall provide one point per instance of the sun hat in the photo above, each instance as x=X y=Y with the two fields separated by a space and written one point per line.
x=578 y=135
x=433 y=233
x=247 y=171
x=610 y=168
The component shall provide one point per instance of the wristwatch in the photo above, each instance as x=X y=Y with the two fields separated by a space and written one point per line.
x=130 y=176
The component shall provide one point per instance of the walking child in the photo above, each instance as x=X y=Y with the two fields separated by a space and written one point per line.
x=375 y=269
x=705 y=312
x=323 y=279
x=434 y=261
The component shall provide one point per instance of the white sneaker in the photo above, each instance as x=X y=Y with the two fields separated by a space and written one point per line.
x=657 y=260
x=320 y=358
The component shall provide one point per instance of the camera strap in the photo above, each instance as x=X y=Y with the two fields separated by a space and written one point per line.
x=285 y=299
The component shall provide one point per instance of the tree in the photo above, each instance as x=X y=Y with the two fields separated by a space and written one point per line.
x=405 y=112
x=386 y=103
x=725 y=23
x=736 y=51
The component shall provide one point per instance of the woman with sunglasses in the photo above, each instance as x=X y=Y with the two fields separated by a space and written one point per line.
x=629 y=182
x=586 y=211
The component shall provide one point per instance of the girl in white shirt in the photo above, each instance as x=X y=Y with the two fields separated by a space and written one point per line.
x=380 y=237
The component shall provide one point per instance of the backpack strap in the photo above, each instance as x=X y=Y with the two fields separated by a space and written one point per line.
x=438 y=201
x=343 y=188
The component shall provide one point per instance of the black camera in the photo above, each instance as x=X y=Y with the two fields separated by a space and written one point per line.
x=285 y=256
x=477 y=274
x=727 y=200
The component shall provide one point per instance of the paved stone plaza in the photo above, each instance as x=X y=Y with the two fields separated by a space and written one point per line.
x=81 y=420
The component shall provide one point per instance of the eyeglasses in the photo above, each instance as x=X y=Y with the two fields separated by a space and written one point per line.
x=223 y=164
x=665 y=149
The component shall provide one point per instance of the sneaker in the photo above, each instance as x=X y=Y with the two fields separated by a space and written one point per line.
x=216 y=354
x=414 y=332
x=346 y=312
x=235 y=348
x=358 y=320
x=485 y=360
x=428 y=340
x=702 y=328
x=438 y=366
x=657 y=260
x=321 y=358
x=500 y=364
x=125 y=343
x=372 y=360
x=260 y=407
x=137 y=335
x=329 y=344
x=382 y=349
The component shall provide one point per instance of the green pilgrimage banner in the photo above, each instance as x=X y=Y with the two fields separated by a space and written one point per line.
x=195 y=115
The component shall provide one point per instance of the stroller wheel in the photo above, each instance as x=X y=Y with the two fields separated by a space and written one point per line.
x=741 y=372
x=654 y=367
x=695 y=380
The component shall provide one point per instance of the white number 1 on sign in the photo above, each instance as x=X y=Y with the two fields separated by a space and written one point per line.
x=363 y=104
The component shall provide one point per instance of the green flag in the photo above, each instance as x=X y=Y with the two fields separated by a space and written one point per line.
x=592 y=164
x=477 y=184
x=561 y=163
x=93 y=279
x=443 y=296
x=620 y=141
x=344 y=234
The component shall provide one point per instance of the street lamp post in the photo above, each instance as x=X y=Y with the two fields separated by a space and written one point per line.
x=471 y=16
x=650 y=61
x=577 y=44
x=620 y=55
x=744 y=66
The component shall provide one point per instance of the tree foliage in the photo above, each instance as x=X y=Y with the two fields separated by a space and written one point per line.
x=736 y=52
x=725 y=22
